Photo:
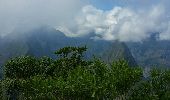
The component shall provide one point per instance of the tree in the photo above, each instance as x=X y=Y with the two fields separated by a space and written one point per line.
x=69 y=59
x=21 y=67
x=71 y=77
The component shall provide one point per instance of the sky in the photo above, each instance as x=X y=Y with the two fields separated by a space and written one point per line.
x=122 y=20
x=109 y=4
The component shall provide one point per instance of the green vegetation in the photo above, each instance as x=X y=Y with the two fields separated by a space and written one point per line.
x=70 y=77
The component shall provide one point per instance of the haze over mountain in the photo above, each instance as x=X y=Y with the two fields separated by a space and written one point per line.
x=47 y=40
x=151 y=52
x=124 y=20
x=44 y=41
x=97 y=24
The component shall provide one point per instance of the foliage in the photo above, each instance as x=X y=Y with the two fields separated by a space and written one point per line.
x=21 y=67
x=156 y=87
x=71 y=77
x=124 y=76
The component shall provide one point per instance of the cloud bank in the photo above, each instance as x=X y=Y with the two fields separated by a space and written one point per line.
x=28 y=14
x=122 y=24
x=77 y=18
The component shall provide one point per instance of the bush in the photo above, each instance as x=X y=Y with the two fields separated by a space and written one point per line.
x=155 y=88
x=22 y=67
x=71 y=77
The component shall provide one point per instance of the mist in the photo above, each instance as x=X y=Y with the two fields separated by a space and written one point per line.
x=131 y=20
x=121 y=23
x=29 y=14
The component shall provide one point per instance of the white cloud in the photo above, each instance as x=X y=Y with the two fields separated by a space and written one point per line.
x=123 y=24
x=165 y=35
x=120 y=23
x=28 y=14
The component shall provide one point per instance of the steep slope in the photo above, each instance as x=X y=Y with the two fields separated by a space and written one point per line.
x=151 y=52
x=10 y=47
x=119 y=51
x=44 y=41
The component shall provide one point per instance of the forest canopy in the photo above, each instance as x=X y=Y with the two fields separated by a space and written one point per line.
x=72 y=77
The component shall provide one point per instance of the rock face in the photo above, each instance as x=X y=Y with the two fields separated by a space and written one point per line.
x=151 y=52
x=118 y=51
x=44 y=41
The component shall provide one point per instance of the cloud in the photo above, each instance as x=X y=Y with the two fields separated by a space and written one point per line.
x=165 y=34
x=120 y=23
x=75 y=18
x=28 y=14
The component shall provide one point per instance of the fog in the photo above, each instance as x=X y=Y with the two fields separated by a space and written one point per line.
x=120 y=23
x=28 y=14
x=129 y=20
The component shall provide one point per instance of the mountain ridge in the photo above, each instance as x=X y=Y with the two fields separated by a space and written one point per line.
x=44 y=42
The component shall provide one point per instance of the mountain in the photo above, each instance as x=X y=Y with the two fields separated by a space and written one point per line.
x=151 y=52
x=119 y=50
x=44 y=41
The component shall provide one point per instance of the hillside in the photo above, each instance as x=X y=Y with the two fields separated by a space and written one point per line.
x=151 y=52
x=118 y=51
x=71 y=77
x=44 y=41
